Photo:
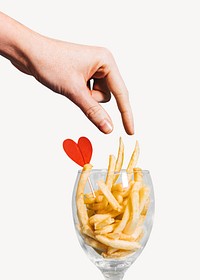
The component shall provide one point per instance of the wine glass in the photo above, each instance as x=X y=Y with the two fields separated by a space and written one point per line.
x=113 y=267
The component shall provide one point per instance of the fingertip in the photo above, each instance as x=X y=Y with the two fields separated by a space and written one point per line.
x=105 y=126
x=130 y=129
x=131 y=132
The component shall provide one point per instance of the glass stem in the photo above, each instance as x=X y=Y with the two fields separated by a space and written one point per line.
x=113 y=276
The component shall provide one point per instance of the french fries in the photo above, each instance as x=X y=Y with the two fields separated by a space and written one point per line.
x=111 y=220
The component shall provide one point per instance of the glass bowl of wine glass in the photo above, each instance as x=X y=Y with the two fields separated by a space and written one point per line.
x=113 y=221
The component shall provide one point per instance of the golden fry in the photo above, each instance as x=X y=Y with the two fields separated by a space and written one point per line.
x=111 y=250
x=140 y=236
x=97 y=218
x=113 y=235
x=118 y=244
x=95 y=244
x=146 y=207
x=104 y=230
x=144 y=195
x=108 y=221
x=120 y=159
x=138 y=175
x=120 y=227
x=81 y=209
x=86 y=230
x=117 y=254
x=110 y=173
x=134 y=216
x=138 y=231
x=118 y=196
x=133 y=160
x=111 y=199
x=137 y=186
x=127 y=237
x=127 y=191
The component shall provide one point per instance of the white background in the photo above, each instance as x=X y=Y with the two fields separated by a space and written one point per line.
x=157 y=48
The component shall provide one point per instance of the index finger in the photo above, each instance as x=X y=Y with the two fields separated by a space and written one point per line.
x=118 y=88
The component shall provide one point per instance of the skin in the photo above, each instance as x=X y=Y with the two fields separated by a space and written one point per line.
x=67 y=68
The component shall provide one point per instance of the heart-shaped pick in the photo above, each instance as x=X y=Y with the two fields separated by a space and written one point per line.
x=80 y=152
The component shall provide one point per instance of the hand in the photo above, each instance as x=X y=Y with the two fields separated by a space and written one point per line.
x=68 y=68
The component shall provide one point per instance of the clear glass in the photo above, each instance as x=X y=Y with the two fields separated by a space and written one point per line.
x=114 y=268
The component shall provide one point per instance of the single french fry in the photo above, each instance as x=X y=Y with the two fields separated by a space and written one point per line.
x=120 y=227
x=111 y=250
x=110 y=173
x=113 y=235
x=137 y=185
x=95 y=244
x=118 y=196
x=134 y=215
x=133 y=160
x=109 y=177
x=146 y=207
x=125 y=201
x=108 y=221
x=138 y=231
x=138 y=175
x=139 y=238
x=117 y=254
x=118 y=244
x=144 y=195
x=139 y=227
x=86 y=230
x=120 y=159
x=81 y=209
x=104 y=230
x=97 y=218
x=127 y=191
x=126 y=237
x=111 y=199
x=141 y=220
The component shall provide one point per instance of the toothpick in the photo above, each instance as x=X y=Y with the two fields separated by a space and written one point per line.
x=91 y=188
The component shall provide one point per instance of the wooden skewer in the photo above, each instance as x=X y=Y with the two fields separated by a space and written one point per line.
x=91 y=187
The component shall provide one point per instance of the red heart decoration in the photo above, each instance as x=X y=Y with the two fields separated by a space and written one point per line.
x=80 y=152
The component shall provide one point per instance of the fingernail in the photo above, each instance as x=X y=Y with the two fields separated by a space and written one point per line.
x=105 y=126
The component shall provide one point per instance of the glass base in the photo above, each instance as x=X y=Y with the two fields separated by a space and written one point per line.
x=113 y=275
x=113 y=270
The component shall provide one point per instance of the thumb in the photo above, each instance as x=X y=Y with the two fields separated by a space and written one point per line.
x=94 y=111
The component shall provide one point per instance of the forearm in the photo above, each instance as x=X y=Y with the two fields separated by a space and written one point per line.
x=14 y=40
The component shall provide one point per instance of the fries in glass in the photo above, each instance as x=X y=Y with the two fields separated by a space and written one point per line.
x=114 y=225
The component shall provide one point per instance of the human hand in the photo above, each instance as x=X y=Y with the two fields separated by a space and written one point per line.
x=68 y=68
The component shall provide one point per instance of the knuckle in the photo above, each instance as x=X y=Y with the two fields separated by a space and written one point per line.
x=106 y=54
x=92 y=111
